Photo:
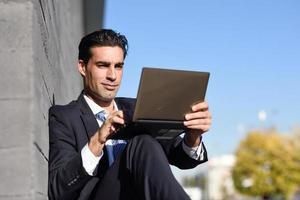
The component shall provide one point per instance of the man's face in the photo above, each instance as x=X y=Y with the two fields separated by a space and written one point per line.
x=103 y=73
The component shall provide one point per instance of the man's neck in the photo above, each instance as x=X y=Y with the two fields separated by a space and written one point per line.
x=106 y=105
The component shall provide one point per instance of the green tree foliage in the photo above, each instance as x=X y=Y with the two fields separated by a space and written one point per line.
x=267 y=165
x=294 y=142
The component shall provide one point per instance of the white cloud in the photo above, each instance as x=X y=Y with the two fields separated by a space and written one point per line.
x=262 y=115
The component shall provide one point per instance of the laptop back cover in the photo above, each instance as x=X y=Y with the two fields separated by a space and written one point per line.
x=167 y=95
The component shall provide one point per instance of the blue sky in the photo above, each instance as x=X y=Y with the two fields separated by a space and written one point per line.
x=251 y=48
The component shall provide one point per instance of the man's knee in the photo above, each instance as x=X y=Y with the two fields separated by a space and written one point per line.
x=145 y=144
x=144 y=138
x=143 y=152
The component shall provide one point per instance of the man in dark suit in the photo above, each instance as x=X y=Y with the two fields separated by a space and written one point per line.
x=85 y=164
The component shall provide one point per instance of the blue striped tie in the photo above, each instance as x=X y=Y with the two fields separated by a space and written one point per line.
x=116 y=147
x=101 y=116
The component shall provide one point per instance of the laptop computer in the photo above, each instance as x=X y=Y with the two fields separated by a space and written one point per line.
x=164 y=97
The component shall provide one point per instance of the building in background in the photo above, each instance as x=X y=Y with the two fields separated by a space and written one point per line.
x=38 y=57
x=213 y=181
x=219 y=179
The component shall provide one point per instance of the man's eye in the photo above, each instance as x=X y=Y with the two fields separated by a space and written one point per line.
x=119 y=66
x=101 y=65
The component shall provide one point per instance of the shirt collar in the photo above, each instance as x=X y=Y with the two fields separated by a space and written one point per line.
x=95 y=107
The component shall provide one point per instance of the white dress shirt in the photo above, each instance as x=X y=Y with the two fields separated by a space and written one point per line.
x=90 y=161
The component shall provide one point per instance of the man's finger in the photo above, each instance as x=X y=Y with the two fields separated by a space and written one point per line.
x=198 y=115
x=112 y=129
x=202 y=128
x=117 y=120
x=117 y=113
x=116 y=117
x=197 y=122
x=120 y=114
x=200 y=106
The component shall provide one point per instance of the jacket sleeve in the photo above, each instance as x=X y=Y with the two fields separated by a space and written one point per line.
x=66 y=173
x=177 y=156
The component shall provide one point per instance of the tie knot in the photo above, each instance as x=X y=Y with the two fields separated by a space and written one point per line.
x=101 y=116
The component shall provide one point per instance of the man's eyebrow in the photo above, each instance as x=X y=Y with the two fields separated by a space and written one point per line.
x=102 y=63
x=108 y=63
x=120 y=63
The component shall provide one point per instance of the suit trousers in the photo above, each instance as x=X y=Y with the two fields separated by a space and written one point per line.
x=141 y=171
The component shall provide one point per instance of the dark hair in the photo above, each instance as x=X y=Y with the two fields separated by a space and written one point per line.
x=104 y=37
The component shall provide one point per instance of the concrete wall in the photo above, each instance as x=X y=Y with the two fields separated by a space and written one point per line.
x=38 y=52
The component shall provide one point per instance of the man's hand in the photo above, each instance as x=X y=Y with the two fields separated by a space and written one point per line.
x=198 y=121
x=108 y=127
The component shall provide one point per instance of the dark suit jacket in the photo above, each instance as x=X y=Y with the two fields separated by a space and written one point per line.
x=70 y=128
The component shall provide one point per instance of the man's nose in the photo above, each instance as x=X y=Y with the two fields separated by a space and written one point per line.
x=111 y=73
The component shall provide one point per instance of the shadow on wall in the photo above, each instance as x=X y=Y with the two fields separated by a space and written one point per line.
x=38 y=65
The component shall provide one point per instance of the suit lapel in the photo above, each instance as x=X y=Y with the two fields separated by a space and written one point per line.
x=87 y=117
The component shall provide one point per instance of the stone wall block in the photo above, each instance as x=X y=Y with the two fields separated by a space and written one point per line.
x=15 y=167
x=16 y=50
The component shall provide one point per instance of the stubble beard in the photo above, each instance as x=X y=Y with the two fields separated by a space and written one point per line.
x=105 y=96
x=102 y=98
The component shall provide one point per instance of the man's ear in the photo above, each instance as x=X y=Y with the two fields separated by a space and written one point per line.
x=81 y=67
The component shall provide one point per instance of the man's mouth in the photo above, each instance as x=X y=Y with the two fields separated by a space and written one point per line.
x=110 y=87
